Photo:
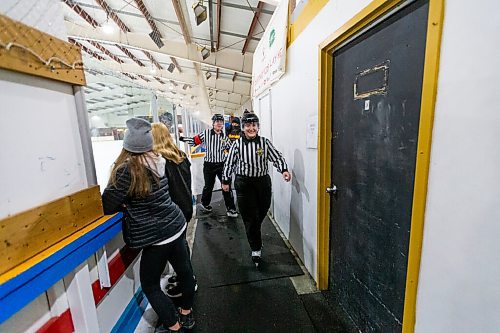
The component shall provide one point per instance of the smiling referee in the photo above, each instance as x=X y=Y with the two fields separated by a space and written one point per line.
x=249 y=157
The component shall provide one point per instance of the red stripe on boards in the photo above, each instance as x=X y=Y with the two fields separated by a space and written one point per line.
x=117 y=266
x=61 y=324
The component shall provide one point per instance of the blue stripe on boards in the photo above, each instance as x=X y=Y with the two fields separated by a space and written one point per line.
x=22 y=289
x=132 y=314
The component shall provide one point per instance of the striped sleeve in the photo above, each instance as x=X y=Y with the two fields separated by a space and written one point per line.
x=276 y=157
x=189 y=141
x=202 y=136
x=230 y=163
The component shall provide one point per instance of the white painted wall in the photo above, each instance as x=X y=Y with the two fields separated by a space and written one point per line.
x=42 y=160
x=41 y=149
x=458 y=287
x=105 y=154
x=294 y=101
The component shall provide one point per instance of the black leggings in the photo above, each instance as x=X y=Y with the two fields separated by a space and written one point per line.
x=153 y=261
x=254 y=199
x=210 y=171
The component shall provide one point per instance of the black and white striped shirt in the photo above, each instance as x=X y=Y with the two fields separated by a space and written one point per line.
x=215 y=143
x=251 y=157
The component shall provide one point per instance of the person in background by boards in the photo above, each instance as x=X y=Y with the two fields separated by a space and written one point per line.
x=152 y=222
x=216 y=143
x=178 y=172
x=235 y=129
x=248 y=157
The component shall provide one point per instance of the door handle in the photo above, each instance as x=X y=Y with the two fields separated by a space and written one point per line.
x=332 y=190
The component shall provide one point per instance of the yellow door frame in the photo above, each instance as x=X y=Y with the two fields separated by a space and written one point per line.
x=367 y=15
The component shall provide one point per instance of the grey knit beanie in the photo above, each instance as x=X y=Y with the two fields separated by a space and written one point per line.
x=138 y=137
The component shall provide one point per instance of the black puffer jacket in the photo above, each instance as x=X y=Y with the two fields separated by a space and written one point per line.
x=179 y=181
x=146 y=221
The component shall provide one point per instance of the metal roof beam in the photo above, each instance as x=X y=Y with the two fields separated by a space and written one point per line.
x=153 y=60
x=148 y=17
x=86 y=49
x=211 y=25
x=219 y=9
x=143 y=77
x=252 y=26
x=130 y=55
x=176 y=64
x=80 y=11
x=174 y=49
x=122 y=12
x=182 y=21
x=245 y=7
x=111 y=13
x=106 y=51
x=233 y=34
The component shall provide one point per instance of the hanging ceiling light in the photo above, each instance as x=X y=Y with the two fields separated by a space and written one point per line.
x=171 y=68
x=200 y=12
x=208 y=75
x=107 y=28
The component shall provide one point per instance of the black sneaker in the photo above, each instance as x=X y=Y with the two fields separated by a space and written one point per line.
x=232 y=213
x=187 y=321
x=173 y=280
x=206 y=209
x=174 y=291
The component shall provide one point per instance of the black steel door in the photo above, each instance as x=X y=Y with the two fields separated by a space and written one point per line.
x=377 y=84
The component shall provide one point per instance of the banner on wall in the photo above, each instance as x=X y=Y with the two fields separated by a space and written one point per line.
x=269 y=58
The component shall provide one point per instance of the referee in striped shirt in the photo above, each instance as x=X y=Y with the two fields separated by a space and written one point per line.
x=249 y=157
x=216 y=143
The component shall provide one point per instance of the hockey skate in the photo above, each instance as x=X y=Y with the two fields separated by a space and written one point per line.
x=256 y=258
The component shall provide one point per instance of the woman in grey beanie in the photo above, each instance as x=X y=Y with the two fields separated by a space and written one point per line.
x=138 y=186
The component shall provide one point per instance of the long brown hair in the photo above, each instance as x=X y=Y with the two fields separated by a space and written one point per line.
x=140 y=184
x=164 y=144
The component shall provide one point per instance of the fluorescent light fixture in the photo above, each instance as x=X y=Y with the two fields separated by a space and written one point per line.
x=155 y=36
x=205 y=53
x=200 y=12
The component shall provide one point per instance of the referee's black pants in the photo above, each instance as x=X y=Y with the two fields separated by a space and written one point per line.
x=254 y=199
x=210 y=171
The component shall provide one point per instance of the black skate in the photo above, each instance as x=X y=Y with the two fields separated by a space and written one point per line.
x=256 y=258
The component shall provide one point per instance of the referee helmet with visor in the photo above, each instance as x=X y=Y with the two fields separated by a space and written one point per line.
x=217 y=117
x=249 y=118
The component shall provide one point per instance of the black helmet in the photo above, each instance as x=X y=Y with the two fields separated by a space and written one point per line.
x=217 y=116
x=249 y=117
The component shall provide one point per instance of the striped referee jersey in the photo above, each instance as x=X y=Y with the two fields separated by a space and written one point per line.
x=215 y=143
x=250 y=158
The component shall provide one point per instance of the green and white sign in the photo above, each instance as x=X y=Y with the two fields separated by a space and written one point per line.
x=269 y=58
